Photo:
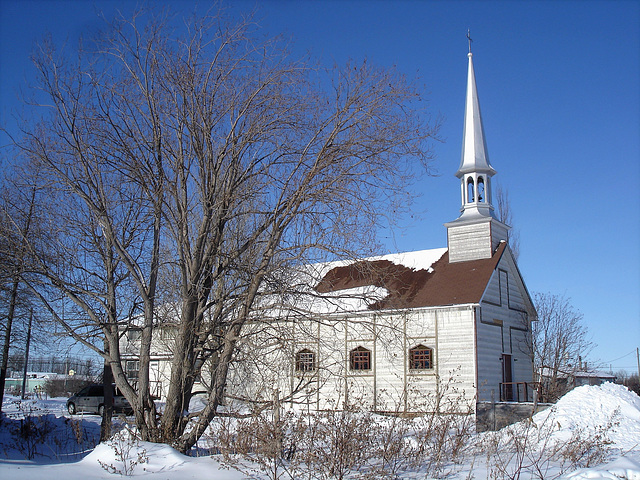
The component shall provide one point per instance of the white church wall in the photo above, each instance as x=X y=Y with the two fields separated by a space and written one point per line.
x=502 y=329
x=264 y=365
x=456 y=353
x=389 y=368
x=389 y=385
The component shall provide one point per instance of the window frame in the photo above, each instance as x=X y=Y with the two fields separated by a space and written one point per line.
x=358 y=364
x=132 y=367
x=305 y=365
x=134 y=334
x=425 y=360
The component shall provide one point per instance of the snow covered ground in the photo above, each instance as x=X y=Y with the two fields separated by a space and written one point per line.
x=606 y=418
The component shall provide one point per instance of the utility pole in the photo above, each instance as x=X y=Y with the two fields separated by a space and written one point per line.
x=638 y=359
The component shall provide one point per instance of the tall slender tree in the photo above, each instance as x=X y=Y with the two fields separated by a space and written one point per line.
x=16 y=226
x=505 y=215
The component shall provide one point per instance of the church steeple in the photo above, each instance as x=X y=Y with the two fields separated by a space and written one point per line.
x=475 y=171
x=476 y=233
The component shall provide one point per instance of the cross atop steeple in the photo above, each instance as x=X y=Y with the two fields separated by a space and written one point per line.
x=469 y=38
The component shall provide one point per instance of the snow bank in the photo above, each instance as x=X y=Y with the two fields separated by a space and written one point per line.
x=589 y=407
x=148 y=460
x=621 y=468
x=124 y=454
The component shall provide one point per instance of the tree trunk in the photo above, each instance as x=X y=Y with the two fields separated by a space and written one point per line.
x=107 y=413
x=26 y=358
x=7 y=338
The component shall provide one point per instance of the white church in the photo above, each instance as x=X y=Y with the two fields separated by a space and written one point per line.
x=390 y=332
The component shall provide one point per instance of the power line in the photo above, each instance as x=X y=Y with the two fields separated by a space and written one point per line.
x=630 y=353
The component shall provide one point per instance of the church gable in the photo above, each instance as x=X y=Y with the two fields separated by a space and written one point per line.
x=506 y=287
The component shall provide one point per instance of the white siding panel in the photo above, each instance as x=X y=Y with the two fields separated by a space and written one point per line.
x=469 y=242
x=503 y=329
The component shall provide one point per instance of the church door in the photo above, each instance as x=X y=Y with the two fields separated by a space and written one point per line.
x=507 y=378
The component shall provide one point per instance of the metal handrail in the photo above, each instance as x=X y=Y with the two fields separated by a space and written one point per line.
x=523 y=391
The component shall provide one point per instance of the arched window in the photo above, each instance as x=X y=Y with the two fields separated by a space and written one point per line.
x=305 y=361
x=470 y=192
x=420 y=358
x=360 y=359
x=481 y=196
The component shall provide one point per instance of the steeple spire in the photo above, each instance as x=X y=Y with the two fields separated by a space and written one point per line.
x=475 y=171
x=476 y=232
x=474 y=147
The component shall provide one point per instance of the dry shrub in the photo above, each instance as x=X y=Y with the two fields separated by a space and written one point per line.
x=267 y=442
x=442 y=429
x=588 y=446
x=340 y=442
x=351 y=442
x=394 y=447
x=128 y=452
x=34 y=431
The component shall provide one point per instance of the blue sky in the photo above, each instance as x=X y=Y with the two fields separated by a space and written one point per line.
x=559 y=87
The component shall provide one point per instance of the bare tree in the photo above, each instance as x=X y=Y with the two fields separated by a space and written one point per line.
x=16 y=219
x=560 y=342
x=505 y=215
x=186 y=171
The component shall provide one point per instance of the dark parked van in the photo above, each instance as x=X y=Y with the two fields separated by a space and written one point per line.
x=91 y=399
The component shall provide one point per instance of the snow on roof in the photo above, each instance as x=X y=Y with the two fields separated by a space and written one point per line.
x=414 y=279
x=594 y=374
x=348 y=300
x=31 y=374
x=418 y=260
x=361 y=285
x=423 y=278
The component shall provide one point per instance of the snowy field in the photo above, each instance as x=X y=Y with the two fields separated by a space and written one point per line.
x=594 y=426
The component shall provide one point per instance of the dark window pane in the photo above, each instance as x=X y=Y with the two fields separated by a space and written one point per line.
x=305 y=361
x=420 y=358
x=360 y=359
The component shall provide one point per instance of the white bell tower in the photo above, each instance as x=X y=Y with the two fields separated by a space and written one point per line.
x=476 y=233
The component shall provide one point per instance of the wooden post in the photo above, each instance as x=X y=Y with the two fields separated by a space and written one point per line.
x=107 y=411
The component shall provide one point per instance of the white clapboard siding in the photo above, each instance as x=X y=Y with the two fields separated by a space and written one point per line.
x=503 y=328
x=474 y=241
x=469 y=242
